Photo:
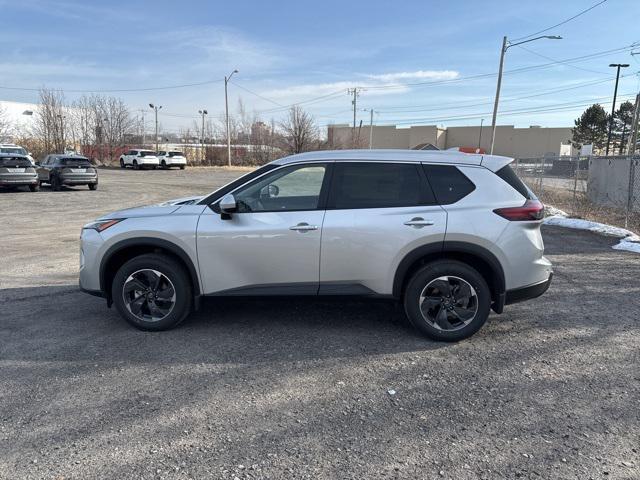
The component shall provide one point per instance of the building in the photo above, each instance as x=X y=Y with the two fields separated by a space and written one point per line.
x=510 y=141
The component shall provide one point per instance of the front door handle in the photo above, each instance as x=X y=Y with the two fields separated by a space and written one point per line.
x=303 y=227
x=418 y=222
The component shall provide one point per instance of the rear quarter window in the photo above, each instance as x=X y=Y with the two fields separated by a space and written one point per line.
x=449 y=184
x=507 y=174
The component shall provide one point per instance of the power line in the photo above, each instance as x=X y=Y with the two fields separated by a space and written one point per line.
x=506 y=100
x=258 y=95
x=507 y=72
x=561 y=62
x=542 y=109
x=561 y=23
x=116 y=90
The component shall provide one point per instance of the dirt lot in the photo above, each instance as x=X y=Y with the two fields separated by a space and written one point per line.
x=300 y=389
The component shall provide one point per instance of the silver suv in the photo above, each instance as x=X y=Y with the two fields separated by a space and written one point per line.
x=451 y=235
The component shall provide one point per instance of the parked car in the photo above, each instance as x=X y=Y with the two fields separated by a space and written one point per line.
x=16 y=149
x=139 y=158
x=59 y=170
x=17 y=171
x=450 y=235
x=172 y=158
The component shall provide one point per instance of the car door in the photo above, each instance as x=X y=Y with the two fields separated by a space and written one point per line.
x=271 y=244
x=376 y=213
x=45 y=168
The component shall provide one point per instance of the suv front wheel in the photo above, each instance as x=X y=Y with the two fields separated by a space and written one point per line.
x=152 y=292
x=447 y=300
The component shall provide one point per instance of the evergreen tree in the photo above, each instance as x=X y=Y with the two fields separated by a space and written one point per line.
x=591 y=128
x=622 y=120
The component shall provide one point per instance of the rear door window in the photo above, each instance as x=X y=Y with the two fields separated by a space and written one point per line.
x=377 y=185
x=449 y=184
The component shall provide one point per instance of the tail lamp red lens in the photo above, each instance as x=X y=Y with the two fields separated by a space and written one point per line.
x=531 y=210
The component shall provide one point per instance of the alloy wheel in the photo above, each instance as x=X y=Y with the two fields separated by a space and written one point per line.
x=448 y=303
x=149 y=295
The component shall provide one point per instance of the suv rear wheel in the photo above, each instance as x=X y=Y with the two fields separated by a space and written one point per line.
x=152 y=292
x=447 y=300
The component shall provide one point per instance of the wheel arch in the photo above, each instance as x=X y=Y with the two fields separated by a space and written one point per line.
x=124 y=250
x=485 y=262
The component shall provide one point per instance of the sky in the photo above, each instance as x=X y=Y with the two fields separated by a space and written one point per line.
x=410 y=59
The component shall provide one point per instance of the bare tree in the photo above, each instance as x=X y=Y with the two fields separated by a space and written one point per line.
x=299 y=131
x=50 y=120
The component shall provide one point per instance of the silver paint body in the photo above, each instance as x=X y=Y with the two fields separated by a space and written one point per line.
x=363 y=246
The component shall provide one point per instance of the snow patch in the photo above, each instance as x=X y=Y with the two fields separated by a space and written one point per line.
x=629 y=240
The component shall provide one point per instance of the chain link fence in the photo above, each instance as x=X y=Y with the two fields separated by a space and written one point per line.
x=602 y=189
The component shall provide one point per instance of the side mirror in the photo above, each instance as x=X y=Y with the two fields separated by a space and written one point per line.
x=228 y=204
x=37 y=164
x=270 y=191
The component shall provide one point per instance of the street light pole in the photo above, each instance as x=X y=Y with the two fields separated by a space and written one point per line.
x=156 y=108
x=505 y=46
x=480 y=136
x=203 y=113
x=618 y=66
x=226 y=109
x=371 y=112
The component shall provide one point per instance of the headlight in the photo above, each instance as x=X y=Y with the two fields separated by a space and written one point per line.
x=101 y=225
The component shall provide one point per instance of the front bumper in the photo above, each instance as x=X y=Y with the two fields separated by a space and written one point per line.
x=527 y=293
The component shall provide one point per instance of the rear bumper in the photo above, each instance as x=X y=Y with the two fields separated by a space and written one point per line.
x=78 y=180
x=10 y=182
x=527 y=293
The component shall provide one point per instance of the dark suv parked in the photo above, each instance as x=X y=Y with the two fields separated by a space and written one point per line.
x=58 y=170
x=17 y=171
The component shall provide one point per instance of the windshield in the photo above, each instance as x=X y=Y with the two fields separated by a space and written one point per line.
x=14 y=162
x=18 y=150
x=147 y=153
x=75 y=162
x=175 y=154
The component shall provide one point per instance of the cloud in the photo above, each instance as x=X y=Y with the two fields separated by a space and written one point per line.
x=417 y=75
x=371 y=86
x=220 y=46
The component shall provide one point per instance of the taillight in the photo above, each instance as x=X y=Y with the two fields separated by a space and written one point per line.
x=531 y=210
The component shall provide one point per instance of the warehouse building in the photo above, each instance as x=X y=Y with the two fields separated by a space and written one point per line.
x=510 y=141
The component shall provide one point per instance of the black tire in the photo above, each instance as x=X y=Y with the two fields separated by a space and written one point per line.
x=450 y=268
x=122 y=165
x=55 y=183
x=181 y=167
x=173 y=271
x=135 y=165
x=35 y=187
x=93 y=186
x=163 y=165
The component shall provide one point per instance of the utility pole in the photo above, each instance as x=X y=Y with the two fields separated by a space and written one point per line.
x=505 y=46
x=203 y=113
x=480 y=136
x=226 y=109
x=144 y=136
x=633 y=135
x=61 y=118
x=355 y=92
x=156 y=108
x=618 y=66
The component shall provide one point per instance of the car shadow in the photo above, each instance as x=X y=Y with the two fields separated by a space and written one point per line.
x=62 y=323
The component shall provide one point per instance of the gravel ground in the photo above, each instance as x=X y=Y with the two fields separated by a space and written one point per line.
x=306 y=389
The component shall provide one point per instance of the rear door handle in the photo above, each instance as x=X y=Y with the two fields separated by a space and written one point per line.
x=303 y=227
x=418 y=222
